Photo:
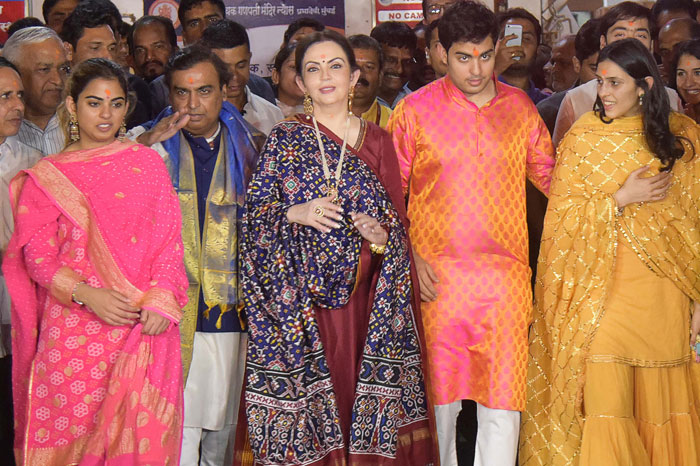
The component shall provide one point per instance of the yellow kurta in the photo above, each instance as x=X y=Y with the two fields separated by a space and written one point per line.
x=378 y=114
x=612 y=293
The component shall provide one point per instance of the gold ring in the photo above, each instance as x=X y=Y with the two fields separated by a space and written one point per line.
x=319 y=211
x=512 y=54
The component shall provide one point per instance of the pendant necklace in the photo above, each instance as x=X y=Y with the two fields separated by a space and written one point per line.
x=332 y=188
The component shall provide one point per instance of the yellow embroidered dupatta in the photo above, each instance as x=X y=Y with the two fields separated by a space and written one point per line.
x=576 y=260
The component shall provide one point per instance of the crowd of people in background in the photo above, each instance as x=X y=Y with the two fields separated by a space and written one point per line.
x=337 y=263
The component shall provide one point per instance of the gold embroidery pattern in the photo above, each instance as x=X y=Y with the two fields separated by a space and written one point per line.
x=577 y=257
x=164 y=301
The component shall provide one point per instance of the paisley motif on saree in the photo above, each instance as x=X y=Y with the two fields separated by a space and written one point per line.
x=290 y=273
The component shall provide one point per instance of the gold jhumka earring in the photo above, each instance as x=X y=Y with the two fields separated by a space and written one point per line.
x=308 y=105
x=351 y=96
x=74 y=131
x=122 y=132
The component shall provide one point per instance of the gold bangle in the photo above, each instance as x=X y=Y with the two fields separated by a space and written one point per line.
x=72 y=296
x=377 y=249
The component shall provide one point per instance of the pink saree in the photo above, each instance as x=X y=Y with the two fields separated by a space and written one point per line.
x=85 y=392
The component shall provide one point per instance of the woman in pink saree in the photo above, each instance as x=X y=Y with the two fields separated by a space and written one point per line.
x=96 y=276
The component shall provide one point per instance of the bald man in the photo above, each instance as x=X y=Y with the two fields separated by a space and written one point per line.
x=561 y=65
x=672 y=33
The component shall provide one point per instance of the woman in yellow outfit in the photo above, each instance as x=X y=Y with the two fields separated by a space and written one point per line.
x=611 y=379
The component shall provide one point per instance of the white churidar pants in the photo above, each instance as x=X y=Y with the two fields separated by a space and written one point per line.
x=496 y=435
x=212 y=396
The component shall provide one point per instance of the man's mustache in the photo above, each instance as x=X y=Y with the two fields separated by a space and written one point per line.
x=363 y=82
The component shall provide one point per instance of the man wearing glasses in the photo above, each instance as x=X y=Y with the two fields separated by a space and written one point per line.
x=398 y=43
x=432 y=10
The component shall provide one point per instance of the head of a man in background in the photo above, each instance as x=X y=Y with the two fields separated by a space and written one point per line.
x=368 y=56
x=398 y=43
x=300 y=28
x=39 y=55
x=91 y=31
x=626 y=20
x=197 y=15
x=664 y=11
x=229 y=41
x=432 y=49
x=531 y=36
x=434 y=9
x=561 y=64
x=55 y=12
x=152 y=41
x=587 y=46
x=671 y=34
x=12 y=102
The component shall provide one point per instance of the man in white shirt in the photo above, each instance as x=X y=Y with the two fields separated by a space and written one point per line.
x=623 y=21
x=39 y=55
x=229 y=41
x=14 y=156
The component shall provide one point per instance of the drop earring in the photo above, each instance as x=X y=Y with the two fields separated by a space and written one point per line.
x=351 y=96
x=73 y=129
x=641 y=100
x=308 y=104
x=122 y=132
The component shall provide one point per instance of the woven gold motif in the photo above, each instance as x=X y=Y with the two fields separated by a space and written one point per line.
x=577 y=257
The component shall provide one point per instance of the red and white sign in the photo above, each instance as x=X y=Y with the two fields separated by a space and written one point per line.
x=9 y=13
x=406 y=11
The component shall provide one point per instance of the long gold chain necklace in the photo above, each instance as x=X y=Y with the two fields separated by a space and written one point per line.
x=332 y=188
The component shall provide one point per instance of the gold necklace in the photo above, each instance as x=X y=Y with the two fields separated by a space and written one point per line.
x=332 y=189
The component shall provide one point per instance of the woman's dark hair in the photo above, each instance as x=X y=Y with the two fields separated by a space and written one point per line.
x=467 y=21
x=282 y=56
x=689 y=47
x=634 y=58
x=300 y=24
x=327 y=35
x=84 y=74
x=193 y=55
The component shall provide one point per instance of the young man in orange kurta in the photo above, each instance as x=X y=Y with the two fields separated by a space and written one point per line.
x=466 y=144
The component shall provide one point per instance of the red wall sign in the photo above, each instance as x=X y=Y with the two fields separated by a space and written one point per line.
x=9 y=13
x=406 y=11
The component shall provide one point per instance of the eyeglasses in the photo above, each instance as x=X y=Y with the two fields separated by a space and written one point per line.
x=437 y=8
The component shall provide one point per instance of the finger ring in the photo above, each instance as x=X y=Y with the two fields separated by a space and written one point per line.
x=512 y=54
x=319 y=211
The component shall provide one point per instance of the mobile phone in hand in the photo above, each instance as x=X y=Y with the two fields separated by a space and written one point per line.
x=514 y=29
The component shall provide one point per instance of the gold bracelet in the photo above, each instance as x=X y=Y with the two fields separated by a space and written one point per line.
x=377 y=249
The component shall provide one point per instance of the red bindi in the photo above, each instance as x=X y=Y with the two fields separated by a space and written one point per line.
x=475 y=52
x=323 y=56
x=604 y=72
x=108 y=92
x=687 y=63
x=191 y=81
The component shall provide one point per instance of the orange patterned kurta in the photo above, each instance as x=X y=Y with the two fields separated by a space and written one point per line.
x=464 y=169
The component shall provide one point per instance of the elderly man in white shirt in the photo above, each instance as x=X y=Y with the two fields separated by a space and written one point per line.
x=41 y=59
x=229 y=41
x=14 y=156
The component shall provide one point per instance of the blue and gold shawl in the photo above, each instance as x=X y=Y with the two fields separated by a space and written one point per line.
x=289 y=271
